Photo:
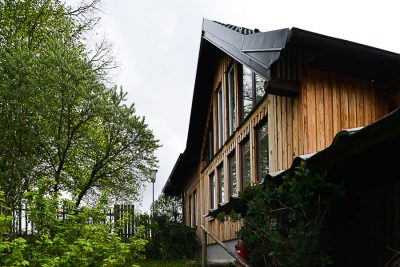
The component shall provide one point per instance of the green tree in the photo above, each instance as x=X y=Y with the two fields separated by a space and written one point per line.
x=169 y=207
x=59 y=116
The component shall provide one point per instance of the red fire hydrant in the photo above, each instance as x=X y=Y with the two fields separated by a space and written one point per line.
x=240 y=249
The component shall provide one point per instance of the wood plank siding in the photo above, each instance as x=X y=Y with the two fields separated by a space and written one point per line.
x=306 y=123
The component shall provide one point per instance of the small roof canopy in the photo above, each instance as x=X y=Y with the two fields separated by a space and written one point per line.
x=358 y=157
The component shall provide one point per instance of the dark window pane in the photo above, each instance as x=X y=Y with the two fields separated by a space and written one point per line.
x=259 y=87
x=232 y=174
x=231 y=102
x=190 y=211
x=212 y=191
x=221 y=184
x=247 y=91
x=220 y=118
x=195 y=207
x=262 y=151
x=246 y=163
x=209 y=149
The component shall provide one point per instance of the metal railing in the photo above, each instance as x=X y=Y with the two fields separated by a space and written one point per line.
x=204 y=234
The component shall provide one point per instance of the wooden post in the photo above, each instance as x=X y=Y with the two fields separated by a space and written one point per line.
x=203 y=248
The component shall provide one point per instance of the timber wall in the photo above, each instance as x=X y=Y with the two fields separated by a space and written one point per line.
x=326 y=103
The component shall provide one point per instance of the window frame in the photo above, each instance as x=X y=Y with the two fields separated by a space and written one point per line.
x=212 y=191
x=195 y=207
x=209 y=145
x=220 y=116
x=261 y=124
x=242 y=145
x=221 y=182
x=230 y=170
x=230 y=100
x=190 y=211
x=254 y=102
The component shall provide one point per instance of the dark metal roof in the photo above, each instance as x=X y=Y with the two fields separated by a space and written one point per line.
x=241 y=30
x=260 y=51
x=355 y=155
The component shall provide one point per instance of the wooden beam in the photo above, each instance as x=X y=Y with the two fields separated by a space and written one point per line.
x=282 y=88
x=203 y=248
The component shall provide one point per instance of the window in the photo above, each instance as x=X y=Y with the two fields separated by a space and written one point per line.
x=195 y=208
x=212 y=191
x=232 y=174
x=221 y=183
x=220 y=117
x=230 y=106
x=246 y=162
x=190 y=211
x=252 y=90
x=209 y=149
x=262 y=151
x=247 y=92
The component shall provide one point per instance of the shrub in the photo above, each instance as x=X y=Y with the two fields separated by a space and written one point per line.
x=284 y=222
x=71 y=241
x=171 y=240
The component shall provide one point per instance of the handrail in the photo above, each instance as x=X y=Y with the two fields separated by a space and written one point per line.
x=219 y=242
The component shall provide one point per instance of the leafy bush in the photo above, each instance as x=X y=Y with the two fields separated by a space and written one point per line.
x=171 y=240
x=284 y=222
x=67 y=242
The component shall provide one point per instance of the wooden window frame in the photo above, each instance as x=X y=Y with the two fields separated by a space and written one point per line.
x=243 y=161
x=230 y=100
x=221 y=183
x=220 y=116
x=230 y=173
x=190 y=211
x=195 y=207
x=209 y=144
x=262 y=123
x=254 y=102
x=212 y=185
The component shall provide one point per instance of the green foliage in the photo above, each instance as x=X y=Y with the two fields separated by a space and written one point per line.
x=69 y=242
x=171 y=240
x=59 y=116
x=169 y=207
x=284 y=225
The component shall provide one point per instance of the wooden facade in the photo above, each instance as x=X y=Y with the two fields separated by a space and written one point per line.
x=314 y=87
x=326 y=103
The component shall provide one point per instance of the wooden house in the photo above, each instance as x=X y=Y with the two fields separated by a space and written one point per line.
x=262 y=98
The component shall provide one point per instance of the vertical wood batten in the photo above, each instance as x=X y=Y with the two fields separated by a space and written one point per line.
x=320 y=111
x=289 y=126
x=327 y=103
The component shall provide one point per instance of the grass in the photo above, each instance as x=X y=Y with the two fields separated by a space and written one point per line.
x=165 y=263
x=162 y=263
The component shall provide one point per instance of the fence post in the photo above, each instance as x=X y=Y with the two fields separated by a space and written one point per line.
x=203 y=248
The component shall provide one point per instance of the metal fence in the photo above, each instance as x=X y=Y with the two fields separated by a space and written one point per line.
x=121 y=215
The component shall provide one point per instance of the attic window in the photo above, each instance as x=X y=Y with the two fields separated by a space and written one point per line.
x=252 y=90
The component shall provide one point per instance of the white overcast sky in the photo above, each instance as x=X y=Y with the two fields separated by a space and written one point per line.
x=156 y=43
